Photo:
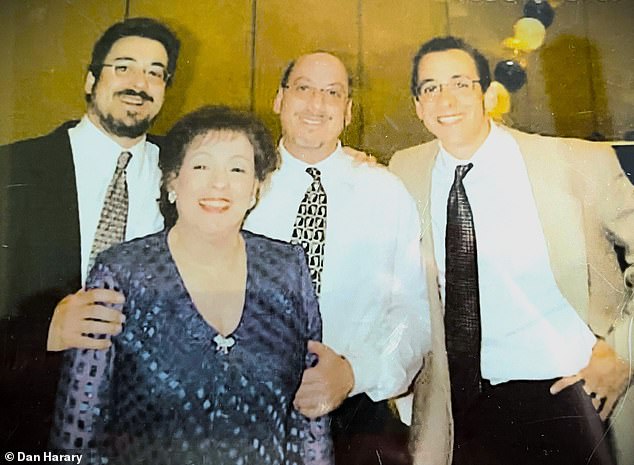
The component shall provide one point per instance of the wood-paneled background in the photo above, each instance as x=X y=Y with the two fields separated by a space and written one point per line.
x=580 y=81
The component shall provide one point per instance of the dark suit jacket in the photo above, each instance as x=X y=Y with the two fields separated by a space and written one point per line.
x=40 y=263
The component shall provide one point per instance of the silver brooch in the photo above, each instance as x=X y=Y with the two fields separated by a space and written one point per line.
x=224 y=343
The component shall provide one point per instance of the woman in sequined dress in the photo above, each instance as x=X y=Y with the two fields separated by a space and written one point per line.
x=217 y=322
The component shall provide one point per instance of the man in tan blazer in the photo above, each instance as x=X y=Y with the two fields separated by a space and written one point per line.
x=546 y=213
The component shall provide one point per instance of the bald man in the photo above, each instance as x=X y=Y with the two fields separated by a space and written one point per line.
x=361 y=236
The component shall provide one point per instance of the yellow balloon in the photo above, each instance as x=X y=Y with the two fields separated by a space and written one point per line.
x=513 y=43
x=503 y=101
x=530 y=33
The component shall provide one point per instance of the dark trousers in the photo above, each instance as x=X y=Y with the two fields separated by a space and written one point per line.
x=521 y=423
x=368 y=433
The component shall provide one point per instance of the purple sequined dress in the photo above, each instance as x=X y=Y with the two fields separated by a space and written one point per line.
x=166 y=393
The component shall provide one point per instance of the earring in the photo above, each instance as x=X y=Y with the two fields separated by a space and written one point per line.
x=171 y=196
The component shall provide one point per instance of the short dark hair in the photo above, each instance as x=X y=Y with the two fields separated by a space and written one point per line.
x=203 y=121
x=286 y=74
x=136 y=27
x=441 y=44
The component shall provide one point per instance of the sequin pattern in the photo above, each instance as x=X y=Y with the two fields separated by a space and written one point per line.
x=164 y=394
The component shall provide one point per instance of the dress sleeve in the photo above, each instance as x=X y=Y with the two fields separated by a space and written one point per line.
x=314 y=433
x=82 y=405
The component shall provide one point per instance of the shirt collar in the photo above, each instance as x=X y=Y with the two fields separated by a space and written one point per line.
x=479 y=157
x=91 y=136
x=329 y=164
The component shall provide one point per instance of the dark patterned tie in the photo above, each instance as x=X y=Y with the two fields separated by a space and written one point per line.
x=462 y=297
x=310 y=227
x=114 y=213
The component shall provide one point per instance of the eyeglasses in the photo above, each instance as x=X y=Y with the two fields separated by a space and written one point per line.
x=155 y=74
x=332 y=94
x=459 y=86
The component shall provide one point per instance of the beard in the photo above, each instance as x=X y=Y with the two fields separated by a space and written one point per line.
x=119 y=128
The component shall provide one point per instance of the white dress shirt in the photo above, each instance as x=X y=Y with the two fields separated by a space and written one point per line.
x=95 y=158
x=373 y=302
x=529 y=330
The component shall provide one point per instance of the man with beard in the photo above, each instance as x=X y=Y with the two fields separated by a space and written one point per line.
x=58 y=194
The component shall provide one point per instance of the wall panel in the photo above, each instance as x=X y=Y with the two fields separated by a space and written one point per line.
x=579 y=82
x=284 y=30
x=215 y=62
x=391 y=35
x=45 y=53
x=566 y=77
x=611 y=32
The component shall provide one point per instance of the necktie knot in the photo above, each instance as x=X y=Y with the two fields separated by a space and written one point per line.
x=315 y=173
x=123 y=160
x=462 y=170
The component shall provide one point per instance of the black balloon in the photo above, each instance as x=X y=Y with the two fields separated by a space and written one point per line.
x=510 y=74
x=540 y=10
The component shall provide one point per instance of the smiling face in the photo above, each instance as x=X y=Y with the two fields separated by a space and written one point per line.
x=216 y=184
x=314 y=108
x=456 y=118
x=127 y=96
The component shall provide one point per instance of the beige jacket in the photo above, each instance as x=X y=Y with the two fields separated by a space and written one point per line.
x=585 y=204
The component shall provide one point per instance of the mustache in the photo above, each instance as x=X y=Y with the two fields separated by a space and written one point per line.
x=134 y=93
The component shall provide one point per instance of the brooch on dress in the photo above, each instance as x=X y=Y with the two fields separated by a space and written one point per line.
x=224 y=343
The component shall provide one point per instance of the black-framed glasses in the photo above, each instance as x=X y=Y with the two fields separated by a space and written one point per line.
x=460 y=86
x=155 y=74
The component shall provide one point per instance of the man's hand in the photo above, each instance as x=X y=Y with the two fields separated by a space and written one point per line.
x=82 y=313
x=604 y=379
x=325 y=386
x=360 y=157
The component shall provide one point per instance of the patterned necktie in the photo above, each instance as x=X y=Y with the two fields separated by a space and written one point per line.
x=114 y=213
x=310 y=227
x=462 y=296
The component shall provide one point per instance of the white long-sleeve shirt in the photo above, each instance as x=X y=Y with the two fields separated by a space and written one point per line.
x=95 y=158
x=529 y=330
x=373 y=297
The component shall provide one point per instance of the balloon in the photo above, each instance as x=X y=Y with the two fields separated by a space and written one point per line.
x=503 y=102
x=540 y=10
x=530 y=33
x=513 y=43
x=510 y=74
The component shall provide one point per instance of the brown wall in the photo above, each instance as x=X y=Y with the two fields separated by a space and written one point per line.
x=233 y=52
